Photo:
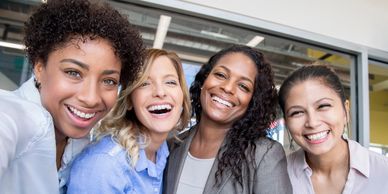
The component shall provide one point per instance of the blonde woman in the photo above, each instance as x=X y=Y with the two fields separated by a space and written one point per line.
x=132 y=152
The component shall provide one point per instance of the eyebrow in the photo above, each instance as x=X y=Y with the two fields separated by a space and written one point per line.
x=85 y=66
x=242 y=77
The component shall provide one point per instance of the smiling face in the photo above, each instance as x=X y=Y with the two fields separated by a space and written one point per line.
x=79 y=85
x=158 y=101
x=315 y=116
x=228 y=89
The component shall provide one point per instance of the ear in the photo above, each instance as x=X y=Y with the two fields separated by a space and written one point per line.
x=38 y=70
x=347 y=109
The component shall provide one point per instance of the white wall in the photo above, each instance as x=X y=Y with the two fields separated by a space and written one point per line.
x=364 y=22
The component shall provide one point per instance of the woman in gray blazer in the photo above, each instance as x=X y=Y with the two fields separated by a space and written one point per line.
x=226 y=151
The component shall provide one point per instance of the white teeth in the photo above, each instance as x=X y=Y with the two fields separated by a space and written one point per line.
x=160 y=107
x=317 y=136
x=221 y=101
x=82 y=114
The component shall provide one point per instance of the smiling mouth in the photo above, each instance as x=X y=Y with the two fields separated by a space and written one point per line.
x=221 y=101
x=159 y=109
x=80 y=114
x=317 y=136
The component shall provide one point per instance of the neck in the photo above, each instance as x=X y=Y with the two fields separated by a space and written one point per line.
x=60 y=137
x=336 y=159
x=208 y=133
x=155 y=143
x=60 y=141
x=207 y=140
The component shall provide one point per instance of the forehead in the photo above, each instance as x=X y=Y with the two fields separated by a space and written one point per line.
x=162 y=66
x=238 y=63
x=310 y=90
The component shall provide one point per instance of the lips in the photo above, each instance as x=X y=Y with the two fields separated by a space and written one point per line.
x=160 y=108
x=81 y=114
x=317 y=136
x=222 y=101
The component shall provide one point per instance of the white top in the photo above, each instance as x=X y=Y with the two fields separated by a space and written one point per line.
x=368 y=172
x=27 y=145
x=22 y=113
x=194 y=175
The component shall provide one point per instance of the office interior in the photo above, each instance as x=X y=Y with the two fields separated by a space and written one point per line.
x=196 y=34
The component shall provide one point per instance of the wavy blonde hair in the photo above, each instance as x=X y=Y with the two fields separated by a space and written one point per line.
x=122 y=122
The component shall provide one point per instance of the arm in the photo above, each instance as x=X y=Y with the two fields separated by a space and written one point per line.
x=271 y=174
x=8 y=141
x=96 y=173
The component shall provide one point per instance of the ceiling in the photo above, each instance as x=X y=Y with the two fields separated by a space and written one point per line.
x=196 y=39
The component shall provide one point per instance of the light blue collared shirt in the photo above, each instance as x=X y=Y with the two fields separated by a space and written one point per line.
x=105 y=167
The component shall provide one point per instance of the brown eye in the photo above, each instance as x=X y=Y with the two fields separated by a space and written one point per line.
x=220 y=75
x=244 y=87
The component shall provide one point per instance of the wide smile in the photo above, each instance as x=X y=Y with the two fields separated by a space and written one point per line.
x=222 y=101
x=317 y=137
x=160 y=109
x=80 y=114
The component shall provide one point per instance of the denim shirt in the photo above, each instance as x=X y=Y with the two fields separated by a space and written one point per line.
x=27 y=144
x=105 y=167
x=72 y=149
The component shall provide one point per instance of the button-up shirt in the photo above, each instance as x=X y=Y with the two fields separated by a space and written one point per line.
x=27 y=144
x=368 y=172
x=105 y=167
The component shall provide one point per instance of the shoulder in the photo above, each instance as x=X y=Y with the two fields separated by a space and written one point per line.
x=103 y=153
x=100 y=169
x=15 y=105
x=19 y=113
x=366 y=162
x=175 y=142
x=268 y=150
x=265 y=145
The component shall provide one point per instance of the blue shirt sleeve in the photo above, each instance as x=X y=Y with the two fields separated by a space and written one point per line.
x=97 y=173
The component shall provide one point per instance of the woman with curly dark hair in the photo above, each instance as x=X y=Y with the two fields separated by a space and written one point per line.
x=234 y=102
x=81 y=53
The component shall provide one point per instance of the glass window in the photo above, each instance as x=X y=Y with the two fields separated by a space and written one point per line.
x=378 y=103
x=196 y=38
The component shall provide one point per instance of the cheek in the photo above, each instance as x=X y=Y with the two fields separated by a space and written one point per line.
x=179 y=97
x=110 y=99
x=294 y=127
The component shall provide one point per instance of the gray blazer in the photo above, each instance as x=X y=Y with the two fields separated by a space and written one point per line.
x=269 y=175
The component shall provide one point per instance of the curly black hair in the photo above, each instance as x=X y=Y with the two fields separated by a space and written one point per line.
x=58 y=22
x=239 y=144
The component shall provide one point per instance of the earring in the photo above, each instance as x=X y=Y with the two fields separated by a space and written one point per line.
x=37 y=84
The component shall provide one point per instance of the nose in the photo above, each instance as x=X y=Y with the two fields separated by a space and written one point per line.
x=228 y=86
x=312 y=120
x=158 y=91
x=89 y=94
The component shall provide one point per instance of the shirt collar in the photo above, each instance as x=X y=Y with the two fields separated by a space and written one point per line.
x=28 y=91
x=359 y=158
x=153 y=170
x=300 y=164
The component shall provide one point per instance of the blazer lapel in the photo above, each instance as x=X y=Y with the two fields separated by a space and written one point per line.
x=211 y=179
x=180 y=158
